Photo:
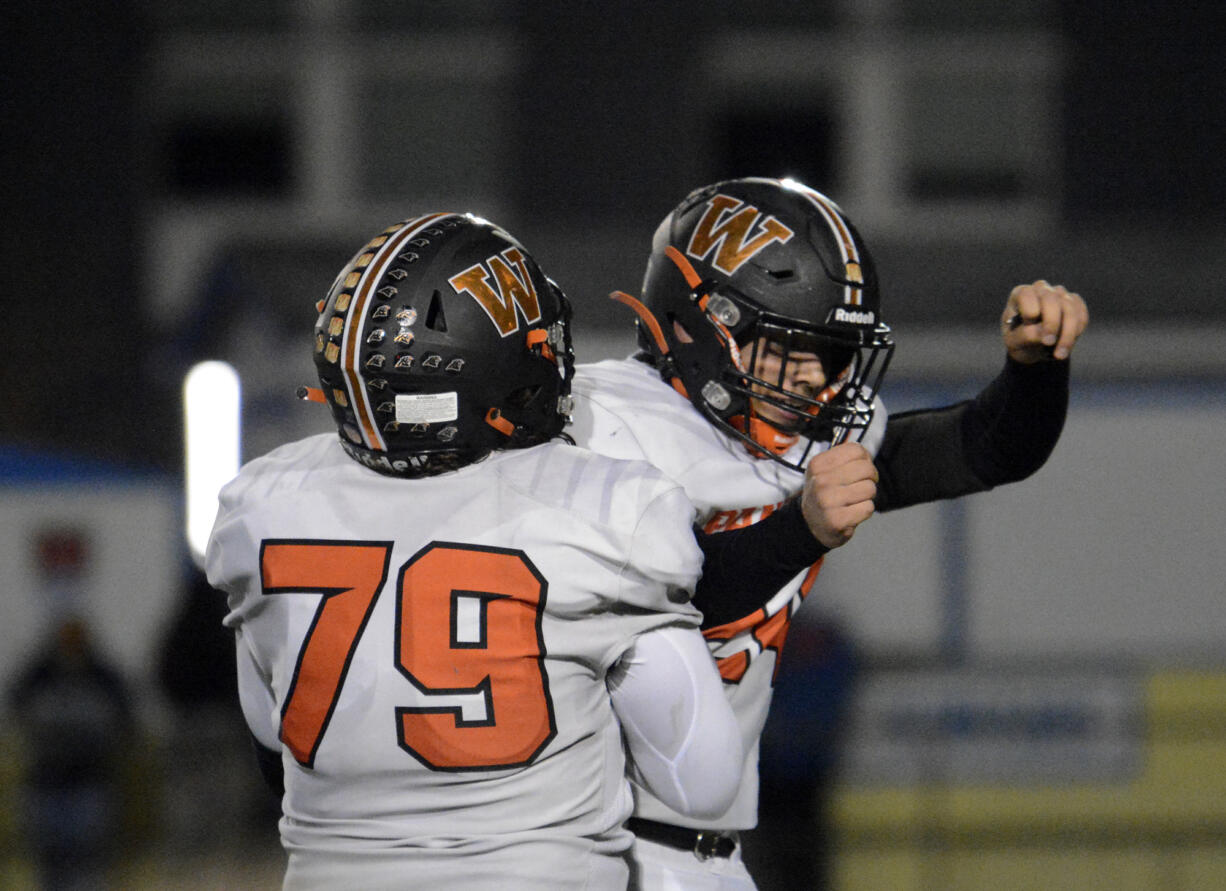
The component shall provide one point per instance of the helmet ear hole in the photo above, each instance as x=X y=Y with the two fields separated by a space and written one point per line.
x=681 y=332
x=436 y=319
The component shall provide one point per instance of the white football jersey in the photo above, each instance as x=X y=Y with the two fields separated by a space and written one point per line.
x=624 y=409
x=430 y=655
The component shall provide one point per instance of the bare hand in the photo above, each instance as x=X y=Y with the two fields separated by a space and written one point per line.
x=840 y=484
x=1042 y=321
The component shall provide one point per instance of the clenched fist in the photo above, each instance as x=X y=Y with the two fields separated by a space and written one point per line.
x=840 y=484
x=1042 y=321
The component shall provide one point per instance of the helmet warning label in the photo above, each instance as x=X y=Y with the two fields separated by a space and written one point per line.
x=426 y=408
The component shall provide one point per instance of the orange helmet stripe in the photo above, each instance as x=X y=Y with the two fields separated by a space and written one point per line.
x=687 y=268
x=371 y=263
x=653 y=325
x=834 y=219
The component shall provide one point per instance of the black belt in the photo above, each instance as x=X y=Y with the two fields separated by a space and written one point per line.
x=702 y=843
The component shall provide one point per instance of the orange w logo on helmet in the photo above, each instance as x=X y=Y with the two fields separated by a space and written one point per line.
x=725 y=227
x=514 y=288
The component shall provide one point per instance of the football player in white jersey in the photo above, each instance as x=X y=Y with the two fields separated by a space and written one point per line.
x=762 y=352
x=448 y=618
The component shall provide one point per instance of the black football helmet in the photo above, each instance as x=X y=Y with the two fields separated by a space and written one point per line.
x=439 y=342
x=757 y=264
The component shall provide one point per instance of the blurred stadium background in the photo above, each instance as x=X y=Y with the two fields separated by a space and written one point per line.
x=1040 y=693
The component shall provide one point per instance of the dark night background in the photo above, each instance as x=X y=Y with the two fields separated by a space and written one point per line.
x=1143 y=124
x=182 y=179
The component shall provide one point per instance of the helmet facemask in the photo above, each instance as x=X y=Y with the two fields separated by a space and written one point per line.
x=774 y=387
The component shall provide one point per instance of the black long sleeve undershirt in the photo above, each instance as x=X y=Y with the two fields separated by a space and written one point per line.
x=1004 y=434
x=742 y=567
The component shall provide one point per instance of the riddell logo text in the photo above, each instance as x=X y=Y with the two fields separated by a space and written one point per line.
x=855 y=317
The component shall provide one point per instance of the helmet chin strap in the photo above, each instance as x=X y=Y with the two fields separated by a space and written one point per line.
x=770 y=437
x=765 y=434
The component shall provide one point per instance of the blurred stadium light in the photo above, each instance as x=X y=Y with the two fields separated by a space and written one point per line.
x=211 y=428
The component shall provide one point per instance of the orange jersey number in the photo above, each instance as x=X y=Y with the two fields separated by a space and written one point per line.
x=468 y=629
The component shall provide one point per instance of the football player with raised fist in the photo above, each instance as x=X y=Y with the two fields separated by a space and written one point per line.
x=451 y=623
x=762 y=352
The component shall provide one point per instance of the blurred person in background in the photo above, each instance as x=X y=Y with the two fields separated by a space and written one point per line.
x=74 y=717
x=210 y=800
